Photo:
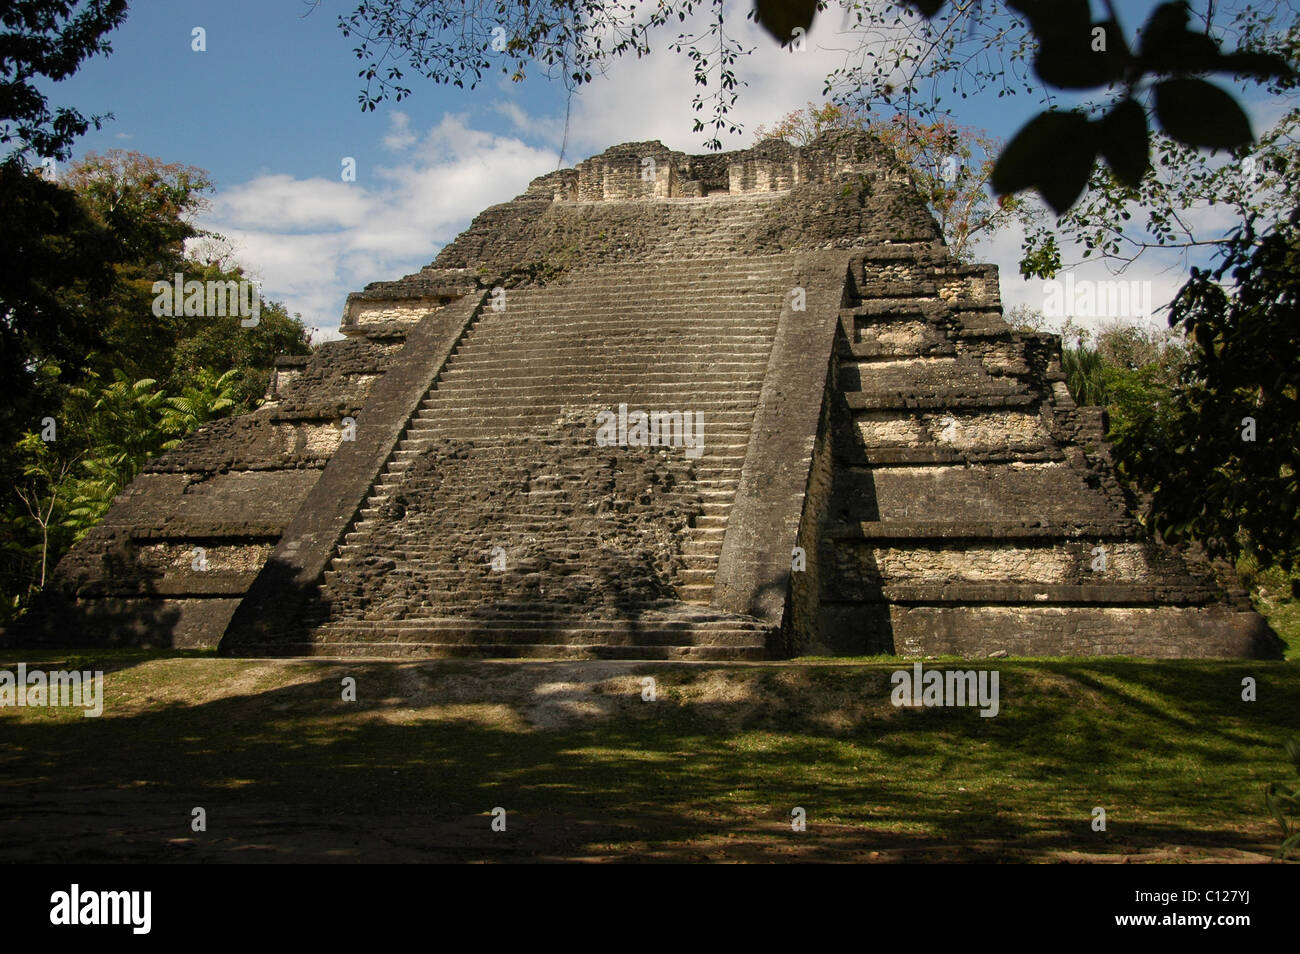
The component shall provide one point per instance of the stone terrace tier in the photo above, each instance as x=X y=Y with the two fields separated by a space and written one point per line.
x=973 y=508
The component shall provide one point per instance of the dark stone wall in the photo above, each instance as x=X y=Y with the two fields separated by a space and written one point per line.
x=582 y=530
x=974 y=508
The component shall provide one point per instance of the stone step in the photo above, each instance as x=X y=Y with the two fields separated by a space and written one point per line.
x=652 y=357
x=1030 y=594
x=655 y=398
x=486 y=456
x=705 y=267
x=609 y=374
x=954 y=532
x=619 y=337
x=1043 y=492
x=702 y=576
x=459 y=422
x=939 y=401
x=727 y=311
x=715 y=454
x=925 y=307
x=550 y=402
x=717 y=403
x=346 y=645
x=932 y=454
x=628 y=297
x=635 y=624
x=722 y=272
x=743 y=337
x=444 y=577
x=876 y=350
x=717 y=447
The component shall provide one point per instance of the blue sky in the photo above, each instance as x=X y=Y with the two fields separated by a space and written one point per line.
x=270 y=110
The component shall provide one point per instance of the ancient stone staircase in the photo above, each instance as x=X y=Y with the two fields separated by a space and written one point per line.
x=691 y=336
x=968 y=512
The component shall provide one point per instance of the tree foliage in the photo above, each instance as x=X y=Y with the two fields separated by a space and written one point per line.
x=47 y=40
x=66 y=485
x=1190 y=200
x=150 y=205
x=117 y=382
x=58 y=266
x=1017 y=45
x=1222 y=466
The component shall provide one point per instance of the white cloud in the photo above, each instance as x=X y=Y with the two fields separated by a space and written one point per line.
x=1163 y=272
x=283 y=204
x=401 y=136
x=540 y=128
x=311 y=241
x=651 y=97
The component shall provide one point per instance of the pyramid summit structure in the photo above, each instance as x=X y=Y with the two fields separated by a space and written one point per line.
x=733 y=406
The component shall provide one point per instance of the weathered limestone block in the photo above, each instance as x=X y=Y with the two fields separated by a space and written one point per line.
x=1062 y=563
x=259 y=441
x=1160 y=632
x=1047 y=491
x=958 y=430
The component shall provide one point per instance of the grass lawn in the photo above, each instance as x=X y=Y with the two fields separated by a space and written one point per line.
x=585 y=768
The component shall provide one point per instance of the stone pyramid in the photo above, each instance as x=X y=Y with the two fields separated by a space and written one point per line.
x=734 y=406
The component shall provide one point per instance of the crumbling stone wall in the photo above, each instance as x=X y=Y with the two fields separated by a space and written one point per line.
x=843 y=192
x=581 y=530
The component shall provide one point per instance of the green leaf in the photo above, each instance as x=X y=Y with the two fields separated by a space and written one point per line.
x=927 y=8
x=1288 y=846
x=1053 y=18
x=1292 y=747
x=1068 y=60
x=780 y=18
x=1260 y=66
x=1199 y=114
x=1124 y=142
x=1052 y=153
x=1167 y=45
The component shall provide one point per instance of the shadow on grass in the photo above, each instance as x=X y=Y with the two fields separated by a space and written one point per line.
x=301 y=773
